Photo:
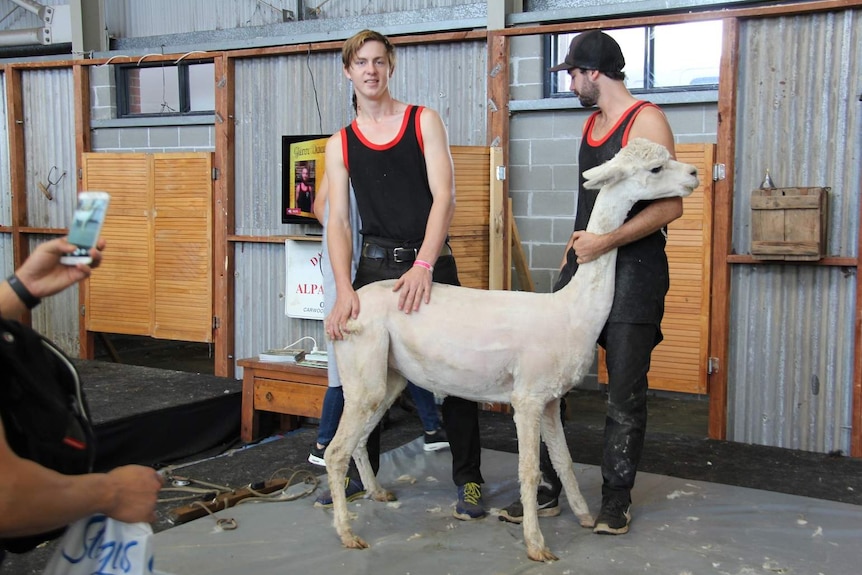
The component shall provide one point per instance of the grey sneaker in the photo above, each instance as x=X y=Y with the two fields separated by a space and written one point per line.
x=549 y=506
x=614 y=518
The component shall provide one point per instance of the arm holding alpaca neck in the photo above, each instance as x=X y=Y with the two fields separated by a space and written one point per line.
x=593 y=243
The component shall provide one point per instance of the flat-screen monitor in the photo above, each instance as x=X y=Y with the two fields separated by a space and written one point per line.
x=302 y=160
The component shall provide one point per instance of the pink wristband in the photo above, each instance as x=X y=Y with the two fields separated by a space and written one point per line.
x=424 y=264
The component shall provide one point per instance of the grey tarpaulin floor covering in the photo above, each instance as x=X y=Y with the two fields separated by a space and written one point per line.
x=680 y=527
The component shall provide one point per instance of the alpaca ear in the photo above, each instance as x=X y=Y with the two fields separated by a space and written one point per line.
x=603 y=175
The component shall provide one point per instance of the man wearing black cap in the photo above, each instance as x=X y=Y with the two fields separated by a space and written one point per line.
x=595 y=65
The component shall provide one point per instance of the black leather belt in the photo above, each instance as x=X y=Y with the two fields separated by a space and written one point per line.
x=398 y=255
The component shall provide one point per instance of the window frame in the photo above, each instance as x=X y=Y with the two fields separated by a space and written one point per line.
x=183 y=89
x=550 y=88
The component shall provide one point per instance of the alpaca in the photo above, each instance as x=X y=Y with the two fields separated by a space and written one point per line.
x=527 y=349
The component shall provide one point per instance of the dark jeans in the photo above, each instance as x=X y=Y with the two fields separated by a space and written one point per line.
x=460 y=417
x=333 y=405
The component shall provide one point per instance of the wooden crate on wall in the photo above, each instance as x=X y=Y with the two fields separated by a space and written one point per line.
x=789 y=224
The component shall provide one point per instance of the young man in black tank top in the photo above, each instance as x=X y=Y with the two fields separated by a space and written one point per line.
x=595 y=63
x=397 y=158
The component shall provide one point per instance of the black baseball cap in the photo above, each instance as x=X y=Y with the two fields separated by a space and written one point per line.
x=593 y=50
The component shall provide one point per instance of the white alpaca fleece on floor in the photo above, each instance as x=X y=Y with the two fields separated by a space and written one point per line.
x=522 y=348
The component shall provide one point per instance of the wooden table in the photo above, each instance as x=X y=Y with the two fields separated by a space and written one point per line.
x=292 y=390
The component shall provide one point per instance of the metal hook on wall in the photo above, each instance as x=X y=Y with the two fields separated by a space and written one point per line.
x=46 y=189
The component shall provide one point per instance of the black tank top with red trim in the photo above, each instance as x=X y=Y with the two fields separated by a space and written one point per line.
x=390 y=182
x=642 y=278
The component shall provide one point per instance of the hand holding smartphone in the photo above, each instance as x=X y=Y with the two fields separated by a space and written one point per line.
x=86 y=226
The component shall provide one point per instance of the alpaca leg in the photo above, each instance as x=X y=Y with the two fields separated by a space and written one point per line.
x=555 y=440
x=527 y=416
x=363 y=377
x=395 y=384
x=351 y=433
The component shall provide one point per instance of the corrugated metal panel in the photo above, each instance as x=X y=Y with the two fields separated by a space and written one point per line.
x=791 y=348
x=57 y=316
x=261 y=323
x=5 y=192
x=134 y=19
x=553 y=10
x=6 y=257
x=49 y=145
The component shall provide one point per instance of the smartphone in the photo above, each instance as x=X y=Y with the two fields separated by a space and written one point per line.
x=86 y=226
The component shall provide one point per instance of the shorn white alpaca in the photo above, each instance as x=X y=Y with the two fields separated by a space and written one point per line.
x=522 y=348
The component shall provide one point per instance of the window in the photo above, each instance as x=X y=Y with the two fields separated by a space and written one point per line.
x=670 y=57
x=165 y=89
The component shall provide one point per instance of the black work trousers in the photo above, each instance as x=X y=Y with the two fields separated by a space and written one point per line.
x=629 y=347
x=460 y=416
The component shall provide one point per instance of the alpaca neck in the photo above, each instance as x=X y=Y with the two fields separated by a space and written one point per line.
x=610 y=210
x=593 y=285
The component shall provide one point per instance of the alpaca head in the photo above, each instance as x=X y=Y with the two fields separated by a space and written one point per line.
x=643 y=170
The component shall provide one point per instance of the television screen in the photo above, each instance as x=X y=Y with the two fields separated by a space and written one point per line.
x=302 y=160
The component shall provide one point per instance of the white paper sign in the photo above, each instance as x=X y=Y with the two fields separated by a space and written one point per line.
x=303 y=291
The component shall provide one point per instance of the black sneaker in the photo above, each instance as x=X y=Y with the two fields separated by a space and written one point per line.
x=469 y=506
x=614 y=518
x=436 y=440
x=353 y=489
x=316 y=456
x=549 y=506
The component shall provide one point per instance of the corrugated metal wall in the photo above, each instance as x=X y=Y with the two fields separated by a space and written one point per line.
x=6 y=258
x=5 y=192
x=49 y=133
x=49 y=149
x=792 y=326
x=49 y=145
x=134 y=19
x=301 y=94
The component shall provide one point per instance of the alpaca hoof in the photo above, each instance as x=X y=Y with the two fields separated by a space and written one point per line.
x=354 y=542
x=544 y=555
x=384 y=496
x=586 y=520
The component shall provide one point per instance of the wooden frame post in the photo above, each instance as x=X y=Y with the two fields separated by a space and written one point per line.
x=722 y=229
x=498 y=126
x=223 y=219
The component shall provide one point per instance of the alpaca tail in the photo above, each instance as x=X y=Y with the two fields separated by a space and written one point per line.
x=353 y=327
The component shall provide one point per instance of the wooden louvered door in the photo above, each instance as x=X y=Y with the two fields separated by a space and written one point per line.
x=476 y=231
x=182 y=226
x=679 y=363
x=120 y=293
x=156 y=278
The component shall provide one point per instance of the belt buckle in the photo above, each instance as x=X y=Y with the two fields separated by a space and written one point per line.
x=398 y=258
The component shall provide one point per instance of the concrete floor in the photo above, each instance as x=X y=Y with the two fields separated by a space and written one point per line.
x=676 y=444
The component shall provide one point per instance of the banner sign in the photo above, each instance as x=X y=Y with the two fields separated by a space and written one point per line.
x=303 y=292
